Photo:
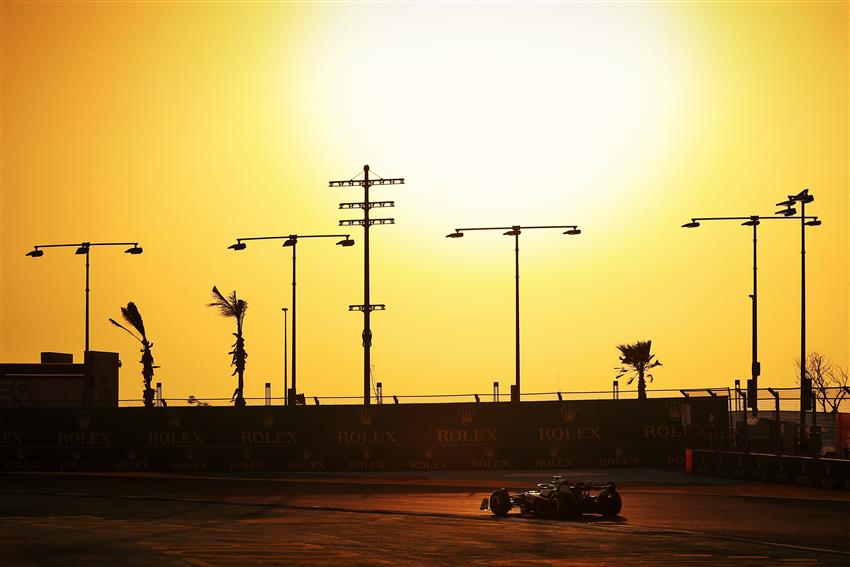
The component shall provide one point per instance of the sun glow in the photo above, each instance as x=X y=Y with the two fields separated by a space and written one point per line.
x=504 y=113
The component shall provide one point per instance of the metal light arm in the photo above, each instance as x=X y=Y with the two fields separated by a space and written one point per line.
x=751 y=217
x=366 y=183
x=371 y=205
x=294 y=237
x=515 y=227
x=85 y=244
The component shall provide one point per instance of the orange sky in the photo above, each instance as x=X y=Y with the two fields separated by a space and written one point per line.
x=185 y=125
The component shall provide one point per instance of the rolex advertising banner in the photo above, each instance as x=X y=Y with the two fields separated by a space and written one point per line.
x=545 y=435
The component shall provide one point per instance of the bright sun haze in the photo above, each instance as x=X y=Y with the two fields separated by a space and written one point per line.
x=185 y=125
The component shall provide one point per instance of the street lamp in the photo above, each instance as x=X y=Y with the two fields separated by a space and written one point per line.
x=515 y=231
x=753 y=221
x=285 y=363
x=84 y=248
x=290 y=241
x=367 y=306
x=802 y=198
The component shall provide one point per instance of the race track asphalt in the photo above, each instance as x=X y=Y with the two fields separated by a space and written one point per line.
x=668 y=518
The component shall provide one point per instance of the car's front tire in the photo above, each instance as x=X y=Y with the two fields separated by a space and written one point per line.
x=500 y=502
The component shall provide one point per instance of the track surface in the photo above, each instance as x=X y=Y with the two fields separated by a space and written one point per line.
x=667 y=519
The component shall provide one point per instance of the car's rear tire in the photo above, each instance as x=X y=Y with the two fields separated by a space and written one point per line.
x=500 y=502
x=610 y=503
x=564 y=505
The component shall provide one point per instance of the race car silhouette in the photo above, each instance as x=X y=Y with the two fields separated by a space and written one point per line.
x=559 y=498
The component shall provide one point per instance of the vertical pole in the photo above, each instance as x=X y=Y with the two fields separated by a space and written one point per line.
x=777 y=412
x=294 y=334
x=367 y=306
x=285 y=361
x=268 y=393
x=88 y=248
x=755 y=365
x=803 y=439
x=516 y=267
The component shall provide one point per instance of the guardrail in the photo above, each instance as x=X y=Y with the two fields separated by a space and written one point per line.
x=465 y=397
x=785 y=469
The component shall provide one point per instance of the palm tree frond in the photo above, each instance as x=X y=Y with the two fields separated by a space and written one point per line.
x=120 y=326
x=131 y=315
x=224 y=306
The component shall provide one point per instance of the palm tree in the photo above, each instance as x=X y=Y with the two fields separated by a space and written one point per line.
x=134 y=319
x=636 y=360
x=232 y=306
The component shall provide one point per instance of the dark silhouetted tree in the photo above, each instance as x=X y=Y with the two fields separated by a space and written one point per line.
x=635 y=360
x=134 y=319
x=232 y=306
x=828 y=381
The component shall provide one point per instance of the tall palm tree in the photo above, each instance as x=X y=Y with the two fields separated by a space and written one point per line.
x=232 y=306
x=134 y=319
x=636 y=359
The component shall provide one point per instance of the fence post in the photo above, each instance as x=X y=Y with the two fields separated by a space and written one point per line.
x=616 y=390
x=743 y=396
x=268 y=393
x=495 y=391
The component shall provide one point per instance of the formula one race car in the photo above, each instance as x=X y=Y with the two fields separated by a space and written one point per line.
x=559 y=498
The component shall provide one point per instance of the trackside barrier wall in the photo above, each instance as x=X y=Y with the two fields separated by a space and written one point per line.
x=786 y=469
x=528 y=435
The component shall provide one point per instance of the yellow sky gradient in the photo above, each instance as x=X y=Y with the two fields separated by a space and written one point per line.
x=185 y=125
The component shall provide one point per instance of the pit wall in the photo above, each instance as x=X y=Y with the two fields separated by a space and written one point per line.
x=528 y=435
x=785 y=469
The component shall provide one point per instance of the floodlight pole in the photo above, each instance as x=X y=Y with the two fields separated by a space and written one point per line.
x=803 y=324
x=292 y=398
x=515 y=231
x=367 y=307
x=755 y=367
x=803 y=197
x=291 y=241
x=367 y=311
x=285 y=362
x=88 y=249
x=516 y=313
x=85 y=248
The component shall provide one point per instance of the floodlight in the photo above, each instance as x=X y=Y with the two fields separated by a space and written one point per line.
x=804 y=197
x=136 y=249
x=238 y=246
x=35 y=253
x=692 y=224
